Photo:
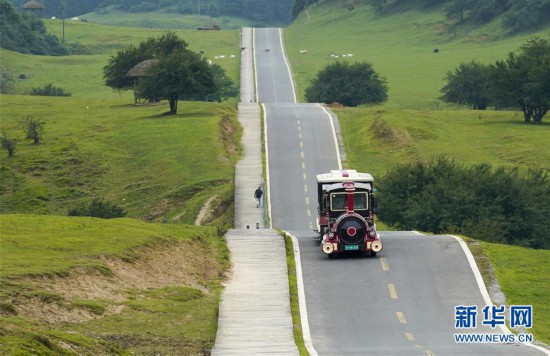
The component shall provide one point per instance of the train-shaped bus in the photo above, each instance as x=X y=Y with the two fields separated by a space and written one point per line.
x=346 y=213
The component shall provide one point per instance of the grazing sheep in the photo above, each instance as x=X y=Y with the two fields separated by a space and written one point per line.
x=303 y=51
x=232 y=56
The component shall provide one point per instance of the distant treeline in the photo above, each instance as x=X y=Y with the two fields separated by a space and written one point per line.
x=516 y=15
x=261 y=11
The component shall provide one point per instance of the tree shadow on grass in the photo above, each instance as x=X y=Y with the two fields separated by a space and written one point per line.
x=516 y=122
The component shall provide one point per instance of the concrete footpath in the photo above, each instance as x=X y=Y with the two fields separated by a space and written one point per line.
x=254 y=317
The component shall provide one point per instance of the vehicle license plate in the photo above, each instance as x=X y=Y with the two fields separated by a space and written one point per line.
x=351 y=247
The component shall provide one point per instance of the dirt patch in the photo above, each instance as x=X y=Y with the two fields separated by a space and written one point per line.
x=227 y=134
x=205 y=215
x=174 y=263
x=383 y=131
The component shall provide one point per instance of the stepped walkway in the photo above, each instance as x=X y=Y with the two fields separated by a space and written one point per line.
x=254 y=316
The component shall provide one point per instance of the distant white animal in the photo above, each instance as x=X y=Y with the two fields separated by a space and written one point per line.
x=232 y=56
x=53 y=17
x=350 y=54
x=344 y=55
x=75 y=19
x=303 y=51
x=209 y=61
x=222 y=57
x=216 y=57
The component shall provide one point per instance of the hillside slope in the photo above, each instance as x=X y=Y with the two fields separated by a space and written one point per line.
x=399 y=45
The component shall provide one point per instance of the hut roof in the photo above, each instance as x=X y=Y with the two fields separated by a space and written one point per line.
x=33 y=5
x=140 y=69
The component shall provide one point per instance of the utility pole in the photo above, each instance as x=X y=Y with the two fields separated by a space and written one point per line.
x=63 y=8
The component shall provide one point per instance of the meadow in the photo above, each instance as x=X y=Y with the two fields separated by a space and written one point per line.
x=163 y=274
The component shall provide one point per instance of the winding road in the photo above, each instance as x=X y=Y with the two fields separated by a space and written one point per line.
x=399 y=303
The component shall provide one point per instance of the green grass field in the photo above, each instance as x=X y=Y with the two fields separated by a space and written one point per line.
x=400 y=47
x=82 y=75
x=161 y=19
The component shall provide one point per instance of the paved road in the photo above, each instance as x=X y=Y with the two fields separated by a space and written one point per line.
x=400 y=303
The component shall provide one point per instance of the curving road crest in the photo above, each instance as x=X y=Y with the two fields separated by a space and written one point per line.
x=399 y=303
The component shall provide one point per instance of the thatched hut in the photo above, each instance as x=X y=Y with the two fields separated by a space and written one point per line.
x=34 y=7
x=138 y=71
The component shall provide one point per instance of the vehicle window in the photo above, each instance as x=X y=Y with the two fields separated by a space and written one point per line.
x=338 y=201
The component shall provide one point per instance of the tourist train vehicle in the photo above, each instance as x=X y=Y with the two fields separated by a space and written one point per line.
x=346 y=213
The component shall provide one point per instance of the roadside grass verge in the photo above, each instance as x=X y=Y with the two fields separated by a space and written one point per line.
x=522 y=275
x=294 y=301
x=160 y=168
x=114 y=285
x=378 y=138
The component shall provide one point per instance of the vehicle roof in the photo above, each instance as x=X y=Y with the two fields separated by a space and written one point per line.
x=336 y=176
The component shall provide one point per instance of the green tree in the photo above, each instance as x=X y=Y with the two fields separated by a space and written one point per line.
x=178 y=73
x=116 y=70
x=348 y=84
x=467 y=85
x=182 y=75
x=523 y=80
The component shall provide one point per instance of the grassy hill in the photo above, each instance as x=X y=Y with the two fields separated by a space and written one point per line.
x=90 y=286
x=400 y=47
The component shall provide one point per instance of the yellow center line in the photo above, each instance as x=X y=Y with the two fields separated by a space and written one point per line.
x=409 y=336
x=303 y=165
x=429 y=353
x=401 y=317
x=302 y=154
x=300 y=128
x=298 y=121
x=305 y=176
x=384 y=263
x=300 y=136
x=307 y=201
x=301 y=144
x=308 y=212
x=393 y=292
x=305 y=188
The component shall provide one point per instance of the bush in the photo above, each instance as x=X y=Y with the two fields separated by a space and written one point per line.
x=99 y=209
x=33 y=128
x=498 y=205
x=348 y=84
x=8 y=144
x=49 y=90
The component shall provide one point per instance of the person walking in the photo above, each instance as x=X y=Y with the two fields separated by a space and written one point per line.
x=258 y=195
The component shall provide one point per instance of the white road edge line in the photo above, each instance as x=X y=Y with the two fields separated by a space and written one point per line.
x=483 y=289
x=268 y=190
x=333 y=136
x=287 y=65
x=302 y=296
